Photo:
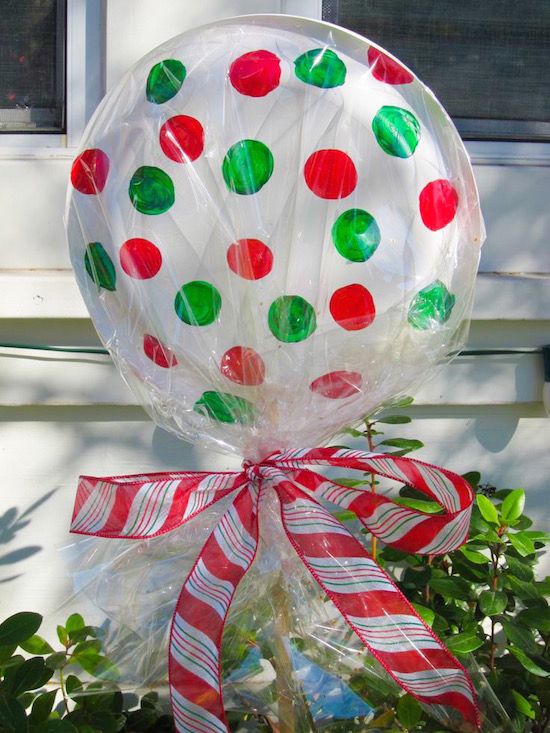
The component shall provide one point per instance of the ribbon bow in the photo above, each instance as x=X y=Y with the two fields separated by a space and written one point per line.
x=138 y=507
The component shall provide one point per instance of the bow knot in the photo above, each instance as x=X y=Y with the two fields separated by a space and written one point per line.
x=136 y=507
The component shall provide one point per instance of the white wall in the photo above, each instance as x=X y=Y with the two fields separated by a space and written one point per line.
x=61 y=416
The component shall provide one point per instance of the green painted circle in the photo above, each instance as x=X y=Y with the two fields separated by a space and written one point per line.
x=99 y=266
x=247 y=166
x=356 y=235
x=165 y=80
x=226 y=408
x=291 y=318
x=198 y=303
x=320 y=67
x=151 y=190
x=431 y=307
x=397 y=131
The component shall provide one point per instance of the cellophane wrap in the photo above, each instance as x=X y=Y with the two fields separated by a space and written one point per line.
x=265 y=270
x=276 y=230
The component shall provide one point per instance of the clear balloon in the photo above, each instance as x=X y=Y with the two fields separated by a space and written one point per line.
x=276 y=229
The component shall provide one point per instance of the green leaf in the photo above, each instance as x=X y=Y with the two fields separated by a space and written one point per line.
x=463 y=643
x=57 y=660
x=26 y=698
x=473 y=478
x=62 y=635
x=354 y=433
x=512 y=506
x=487 y=509
x=428 y=507
x=536 y=618
x=523 y=705
x=142 y=719
x=75 y=622
x=394 y=420
x=345 y=516
x=492 y=602
x=30 y=675
x=404 y=401
x=36 y=645
x=522 y=543
x=12 y=715
x=519 y=568
x=19 y=627
x=474 y=555
x=349 y=482
x=60 y=726
x=6 y=652
x=42 y=707
x=521 y=589
x=531 y=665
x=520 y=636
x=426 y=614
x=409 y=712
x=452 y=586
x=408 y=444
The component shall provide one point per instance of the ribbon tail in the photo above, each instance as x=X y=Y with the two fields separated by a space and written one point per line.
x=200 y=615
x=374 y=607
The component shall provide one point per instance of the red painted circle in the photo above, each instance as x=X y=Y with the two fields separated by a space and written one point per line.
x=352 y=307
x=256 y=73
x=337 y=385
x=386 y=69
x=438 y=204
x=243 y=365
x=89 y=171
x=157 y=352
x=250 y=258
x=140 y=258
x=182 y=138
x=330 y=174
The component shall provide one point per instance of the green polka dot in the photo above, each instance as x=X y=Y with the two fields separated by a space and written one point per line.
x=431 y=307
x=198 y=303
x=164 y=81
x=151 y=190
x=247 y=166
x=397 y=131
x=356 y=235
x=225 y=408
x=99 y=266
x=320 y=67
x=291 y=318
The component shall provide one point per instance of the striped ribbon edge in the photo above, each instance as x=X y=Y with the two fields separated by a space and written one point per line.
x=201 y=611
x=450 y=684
x=141 y=507
x=407 y=529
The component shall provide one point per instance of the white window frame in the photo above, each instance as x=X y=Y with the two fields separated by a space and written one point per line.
x=85 y=86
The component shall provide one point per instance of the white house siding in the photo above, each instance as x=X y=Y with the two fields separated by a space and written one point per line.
x=64 y=415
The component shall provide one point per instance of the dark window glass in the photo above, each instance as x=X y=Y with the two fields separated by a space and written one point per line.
x=488 y=62
x=32 y=65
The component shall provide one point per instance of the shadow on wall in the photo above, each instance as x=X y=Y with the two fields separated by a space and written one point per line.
x=11 y=522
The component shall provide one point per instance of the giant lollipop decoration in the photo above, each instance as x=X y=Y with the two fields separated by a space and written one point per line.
x=276 y=230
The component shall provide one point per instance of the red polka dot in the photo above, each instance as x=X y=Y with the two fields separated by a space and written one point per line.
x=243 y=365
x=157 y=352
x=250 y=258
x=438 y=204
x=337 y=385
x=386 y=69
x=256 y=73
x=89 y=171
x=140 y=258
x=330 y=174
x=352 y=307
x=182 y=138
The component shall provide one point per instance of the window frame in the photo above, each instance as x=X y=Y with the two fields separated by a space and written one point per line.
x=84 y=85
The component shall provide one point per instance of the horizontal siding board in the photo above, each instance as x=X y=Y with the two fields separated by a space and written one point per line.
x=43 y=378
x=54 y=294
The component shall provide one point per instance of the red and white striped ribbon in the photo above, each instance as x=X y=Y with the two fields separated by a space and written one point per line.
x=137 y=507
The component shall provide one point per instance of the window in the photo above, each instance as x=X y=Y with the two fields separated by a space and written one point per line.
x=487 y=62
x=32 y=66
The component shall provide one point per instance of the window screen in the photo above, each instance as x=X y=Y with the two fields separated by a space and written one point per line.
x=32 y=66
x=488 y=62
